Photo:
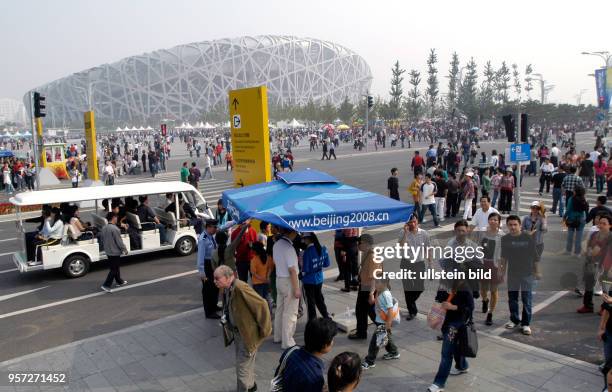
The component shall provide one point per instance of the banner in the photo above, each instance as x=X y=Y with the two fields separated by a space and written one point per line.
x=600 y=85
x=608 y=88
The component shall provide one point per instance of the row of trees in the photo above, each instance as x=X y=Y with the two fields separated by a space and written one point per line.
x=466 y=94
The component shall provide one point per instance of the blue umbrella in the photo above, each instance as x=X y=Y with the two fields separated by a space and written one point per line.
x=310 y=200
x=6 y=153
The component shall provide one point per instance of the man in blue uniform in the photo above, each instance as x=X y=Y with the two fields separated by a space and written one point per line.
x=206 y=247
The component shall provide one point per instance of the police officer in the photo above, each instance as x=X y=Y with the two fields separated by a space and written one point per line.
x=206 y=247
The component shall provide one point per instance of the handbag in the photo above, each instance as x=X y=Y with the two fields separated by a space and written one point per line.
x=228 y=334
x=276 y=384
x=436 y=315
x=468 y=340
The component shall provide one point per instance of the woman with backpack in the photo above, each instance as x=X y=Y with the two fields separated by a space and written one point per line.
x=314 y=259
x=575 y=219
x=387 y=314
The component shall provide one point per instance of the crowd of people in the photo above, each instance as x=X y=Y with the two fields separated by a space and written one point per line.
x=279 y=263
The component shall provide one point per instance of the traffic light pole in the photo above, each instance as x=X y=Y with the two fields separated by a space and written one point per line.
x=367 y=122
x=518 y=164
x=34 y=143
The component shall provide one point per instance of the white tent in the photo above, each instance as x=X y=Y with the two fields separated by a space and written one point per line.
x=133 y=129
x=141 y=128
x=188 y=126
x=207 y=126
x=149 y=128
x=295 y=124
x=201 y=125
x=118 y=129
x=183 y=125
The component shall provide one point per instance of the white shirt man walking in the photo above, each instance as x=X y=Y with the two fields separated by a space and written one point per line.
x=288 y=289
x=207 y=167
x=480 y=220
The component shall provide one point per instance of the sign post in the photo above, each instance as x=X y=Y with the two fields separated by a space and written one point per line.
x=250 y=135
x=519 y=153
x=92 y=152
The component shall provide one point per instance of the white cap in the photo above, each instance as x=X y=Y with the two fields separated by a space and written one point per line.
x=535 y=204
x=469 y=174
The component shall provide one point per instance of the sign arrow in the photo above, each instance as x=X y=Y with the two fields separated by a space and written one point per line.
x=235 y=103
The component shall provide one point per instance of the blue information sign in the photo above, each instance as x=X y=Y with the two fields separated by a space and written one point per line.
x=520 y=152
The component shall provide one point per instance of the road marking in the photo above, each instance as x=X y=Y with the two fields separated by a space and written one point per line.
x=8 y=239
x=9 y=296
x=97 y=294
x=6 y=253
x=549 y=301
x=9 y=270
x=535 y=309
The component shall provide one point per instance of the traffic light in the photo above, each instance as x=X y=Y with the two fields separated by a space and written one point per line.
x=370 y=101
x=510 y=127
x=524 y=128
x=163 y=129
x=40 y=107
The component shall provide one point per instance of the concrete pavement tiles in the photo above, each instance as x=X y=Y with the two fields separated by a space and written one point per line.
x=185 y=352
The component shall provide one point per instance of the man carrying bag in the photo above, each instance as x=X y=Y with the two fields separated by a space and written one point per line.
x=246 y=321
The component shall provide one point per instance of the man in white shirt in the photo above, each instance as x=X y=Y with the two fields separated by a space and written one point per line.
x=207 y=167
x=109 y=173
x=288 y=287
x=546 y=173
x=593 y=155
x=480 y=220
x=554 y=155
x=428 y=201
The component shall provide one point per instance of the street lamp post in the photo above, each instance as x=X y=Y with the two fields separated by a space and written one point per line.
x=607 y=58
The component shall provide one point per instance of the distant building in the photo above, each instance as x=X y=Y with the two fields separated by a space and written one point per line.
x=184 y=82
x=11 y=110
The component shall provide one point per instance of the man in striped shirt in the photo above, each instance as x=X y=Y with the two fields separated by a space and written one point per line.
x=570 y=182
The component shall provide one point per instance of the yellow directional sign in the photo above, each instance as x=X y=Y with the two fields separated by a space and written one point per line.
x=92 y=153
x=250 y=135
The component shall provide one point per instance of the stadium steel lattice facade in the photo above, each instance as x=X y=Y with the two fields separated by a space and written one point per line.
x=186 y=81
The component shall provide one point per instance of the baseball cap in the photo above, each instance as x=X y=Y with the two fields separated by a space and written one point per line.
x=469 y=174
x=535 y=204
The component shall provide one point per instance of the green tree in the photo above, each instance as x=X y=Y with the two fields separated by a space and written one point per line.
x=414 y=96
x=467 y=99
x=528 y=79
x=486 y=96
x=453 y=78
x=310 y=111
x=394 y=105
x=517 y=81
x=327 y=112
x=502 y=80
x=432 y=82
x=346 y=111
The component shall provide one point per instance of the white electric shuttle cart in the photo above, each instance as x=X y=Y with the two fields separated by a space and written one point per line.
x=75 y=255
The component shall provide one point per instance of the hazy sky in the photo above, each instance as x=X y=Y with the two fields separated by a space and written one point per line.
x=44 y=40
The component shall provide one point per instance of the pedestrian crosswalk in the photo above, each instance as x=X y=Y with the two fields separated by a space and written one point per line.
x=527 y=197
x=211 y=189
